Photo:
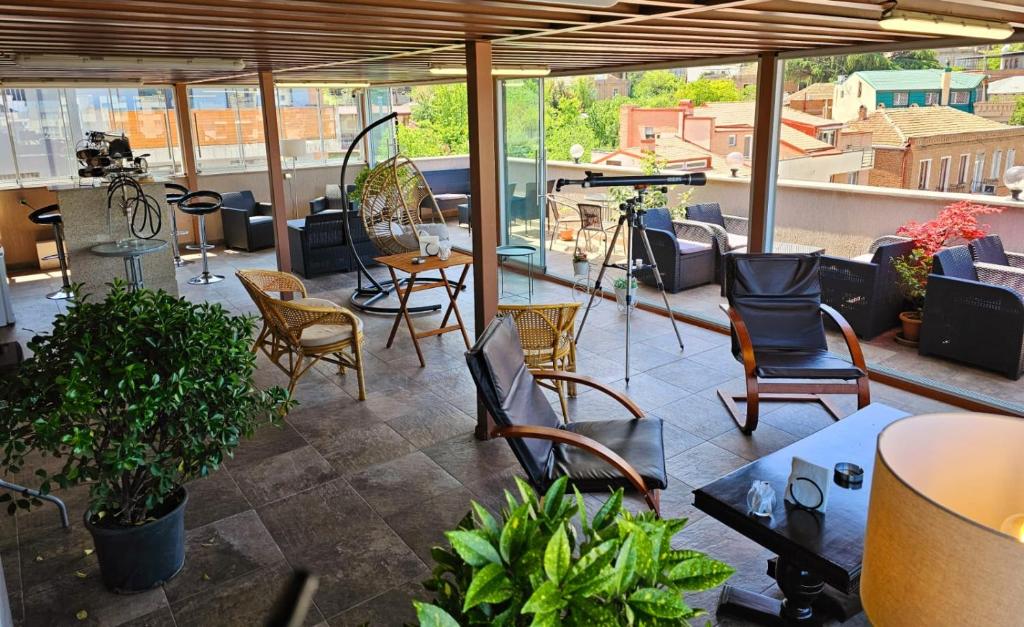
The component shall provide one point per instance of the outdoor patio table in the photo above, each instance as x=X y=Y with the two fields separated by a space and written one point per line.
x=131 y=251
x=403 y=262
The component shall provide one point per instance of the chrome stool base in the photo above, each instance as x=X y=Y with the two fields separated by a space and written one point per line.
x=198 y=247
x=205 y=279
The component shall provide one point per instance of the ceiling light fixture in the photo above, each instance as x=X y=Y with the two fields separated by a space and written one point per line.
x=894 y=19
x=501 y=71
x=126 y=63
x=325 y=85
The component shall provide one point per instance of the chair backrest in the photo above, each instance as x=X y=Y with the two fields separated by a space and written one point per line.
x=510 y=393
x=710 y=212
x=990 y=250
x=544 y=330
x=266 y=281
x=886 y=240
x=885 y=253
x=334 y=198
x=243 y=200
x=659 y=218
x=591 y=215
x=779 y=299
x=955 y=262
x=325 y=230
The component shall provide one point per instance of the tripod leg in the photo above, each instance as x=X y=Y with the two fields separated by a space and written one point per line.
x=658 y=281
x=600 y=276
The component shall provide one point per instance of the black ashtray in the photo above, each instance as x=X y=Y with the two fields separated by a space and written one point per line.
x=848 y=475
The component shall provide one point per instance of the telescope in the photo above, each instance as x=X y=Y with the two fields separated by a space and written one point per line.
x=596 y=179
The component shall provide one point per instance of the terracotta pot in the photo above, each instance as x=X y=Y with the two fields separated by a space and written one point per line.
x=566 y=235
x=911 y=321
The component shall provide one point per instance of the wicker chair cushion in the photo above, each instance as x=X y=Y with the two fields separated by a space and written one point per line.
x=324 y=334
x=687 y=247
x=260 y=219
x=736 y=241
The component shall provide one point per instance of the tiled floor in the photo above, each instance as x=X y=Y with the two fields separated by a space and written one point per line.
x=359 y=491
x=880 y=352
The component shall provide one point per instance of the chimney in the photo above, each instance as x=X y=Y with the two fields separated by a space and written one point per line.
x=626 y=125
x=947 y=80
x=648 y=144
x=862 y=113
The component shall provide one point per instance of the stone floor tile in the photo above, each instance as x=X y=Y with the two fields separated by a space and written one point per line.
x=703 y=464
x=282 y=475
x=390 y=487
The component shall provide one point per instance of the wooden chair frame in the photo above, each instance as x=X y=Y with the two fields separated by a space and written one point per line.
x=557 y=320
x=651 y=496
x=790 y=392
x=285 y=321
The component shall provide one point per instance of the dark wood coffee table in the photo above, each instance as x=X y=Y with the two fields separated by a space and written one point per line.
x=813 y=549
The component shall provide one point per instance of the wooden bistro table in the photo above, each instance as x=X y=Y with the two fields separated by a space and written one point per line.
x=403 y=262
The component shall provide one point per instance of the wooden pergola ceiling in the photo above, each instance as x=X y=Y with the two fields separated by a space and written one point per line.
x=396 y=41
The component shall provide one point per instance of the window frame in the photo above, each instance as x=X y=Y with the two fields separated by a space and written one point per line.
x=924 y=173
x=898 y=96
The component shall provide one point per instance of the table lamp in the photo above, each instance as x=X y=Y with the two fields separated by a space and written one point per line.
x=1013 y=178
x=945 y=534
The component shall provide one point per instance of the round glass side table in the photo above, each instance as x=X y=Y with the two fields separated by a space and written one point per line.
x=131 y=251
x=516 y=251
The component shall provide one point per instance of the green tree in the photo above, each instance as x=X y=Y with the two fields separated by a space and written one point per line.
x=439 y=122
x=868 y=61
x=603 y=117
x=709 y=90
x=564 y=125
x=915 y=60
x=1017 y=117
x=655 y=88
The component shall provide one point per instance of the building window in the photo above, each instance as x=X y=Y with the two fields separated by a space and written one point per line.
x=615 y=92
x=748 y=146
x=961 y=176
x=648 y=132
x=960 y=97
x=900 y=98
x=853 y=178
x=943 y=185
x=731 y=141
x=997 y=163
x=829 y=137
x=1011 y=157
x=979 y=169
x=860 y=89
x=932 y=98
x=924 y=174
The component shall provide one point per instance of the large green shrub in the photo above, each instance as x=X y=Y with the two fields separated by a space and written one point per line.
x=137 y=394
x=535 y=567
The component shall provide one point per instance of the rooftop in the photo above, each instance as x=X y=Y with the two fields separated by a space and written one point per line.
x=742 y=114
x=894 y=127
x=905 y=80
x=814 y=91
x=1008 y=85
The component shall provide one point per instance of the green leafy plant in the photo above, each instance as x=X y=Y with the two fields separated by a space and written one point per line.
x=137 y=394
x=912 y=272
x=578 y=255
x=357 y=191
x=620 y=283
x=535 y=567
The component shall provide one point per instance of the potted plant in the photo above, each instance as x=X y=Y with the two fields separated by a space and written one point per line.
x=535 y=567
x=621 y=297
x=912 y=272
x=357 y=187
x=956 y=223
x=137 y=394
x=580 y=265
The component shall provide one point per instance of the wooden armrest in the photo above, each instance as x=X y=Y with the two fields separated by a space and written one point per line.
x=852 y=343
x=579 y=441
x=743 y=337
x=572 y=377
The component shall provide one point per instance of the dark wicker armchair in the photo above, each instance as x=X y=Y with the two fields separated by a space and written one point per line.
x=971 y=321
x=683 y=264
x=866 y=293
x=705 y=223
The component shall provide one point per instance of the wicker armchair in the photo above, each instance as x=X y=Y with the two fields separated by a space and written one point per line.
x=705 y=223
x=305 y=330
x=970 y=320
x=989 y=249
x=683 y=264
x=546 y=333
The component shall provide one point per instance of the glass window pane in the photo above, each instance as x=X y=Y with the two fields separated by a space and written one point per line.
x=40 y=133
x=300 y=125
x=339 y=113
x=145 y=116
x=215 y=127
x=250 y=127
x=8 y=173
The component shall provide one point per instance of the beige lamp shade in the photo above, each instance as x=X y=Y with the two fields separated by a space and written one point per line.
x=293 y=148
x=944 y=486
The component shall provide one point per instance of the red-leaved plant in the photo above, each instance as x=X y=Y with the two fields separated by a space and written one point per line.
x=957 y=223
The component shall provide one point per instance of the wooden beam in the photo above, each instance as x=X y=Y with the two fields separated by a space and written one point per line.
x=483 y=185
x=272 y=137
x=183 y=115
x=764 y=163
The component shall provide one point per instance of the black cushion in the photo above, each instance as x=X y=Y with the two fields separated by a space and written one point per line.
x=49 y=214
x=639 y=442
x=818 y=364
x=707 y=212
x=779 y=299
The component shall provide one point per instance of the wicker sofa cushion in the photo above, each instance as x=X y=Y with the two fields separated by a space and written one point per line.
x=687 y=247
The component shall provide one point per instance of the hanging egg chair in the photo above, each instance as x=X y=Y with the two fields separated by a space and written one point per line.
x=394 y=195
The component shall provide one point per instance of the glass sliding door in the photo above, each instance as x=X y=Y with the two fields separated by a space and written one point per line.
x=523 y=168
x=382 y=138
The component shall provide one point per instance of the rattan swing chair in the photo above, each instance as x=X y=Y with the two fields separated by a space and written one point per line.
x=392 y=203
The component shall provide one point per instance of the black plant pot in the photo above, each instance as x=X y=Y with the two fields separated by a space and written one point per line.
x=135 y=559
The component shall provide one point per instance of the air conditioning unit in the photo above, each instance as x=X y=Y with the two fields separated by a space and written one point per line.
x=989 y=189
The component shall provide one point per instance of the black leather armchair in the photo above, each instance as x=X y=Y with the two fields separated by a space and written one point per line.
x=969 y=321
x=776 y=312
x=595 y=455
x=866 y=292
x=248 y=225
x=683 y=264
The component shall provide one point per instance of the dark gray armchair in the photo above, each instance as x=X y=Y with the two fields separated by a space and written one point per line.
x=683 y=264
x=596 y=455
x=248 y=225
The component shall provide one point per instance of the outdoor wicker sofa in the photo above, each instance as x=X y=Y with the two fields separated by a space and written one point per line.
x=705 y=223
x=683 y=263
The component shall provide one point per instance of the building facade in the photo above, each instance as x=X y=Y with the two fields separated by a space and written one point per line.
x=864 y=92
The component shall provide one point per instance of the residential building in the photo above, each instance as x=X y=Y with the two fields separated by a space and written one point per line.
x=816 y=99
x=940 y=148
x=684 y=135
x=903 y=88
x=611 y=86
x=1001 y=98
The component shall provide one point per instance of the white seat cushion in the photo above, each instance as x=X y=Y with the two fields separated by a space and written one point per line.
x=865 y=258
x=325 y=334
x=736 y=241
x=260 y=219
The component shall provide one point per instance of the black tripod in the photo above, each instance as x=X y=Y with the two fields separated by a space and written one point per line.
x=631 y=213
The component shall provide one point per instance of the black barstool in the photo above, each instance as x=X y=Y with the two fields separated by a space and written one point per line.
x=51 y=215
x=175 y=193
x=200 y=204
